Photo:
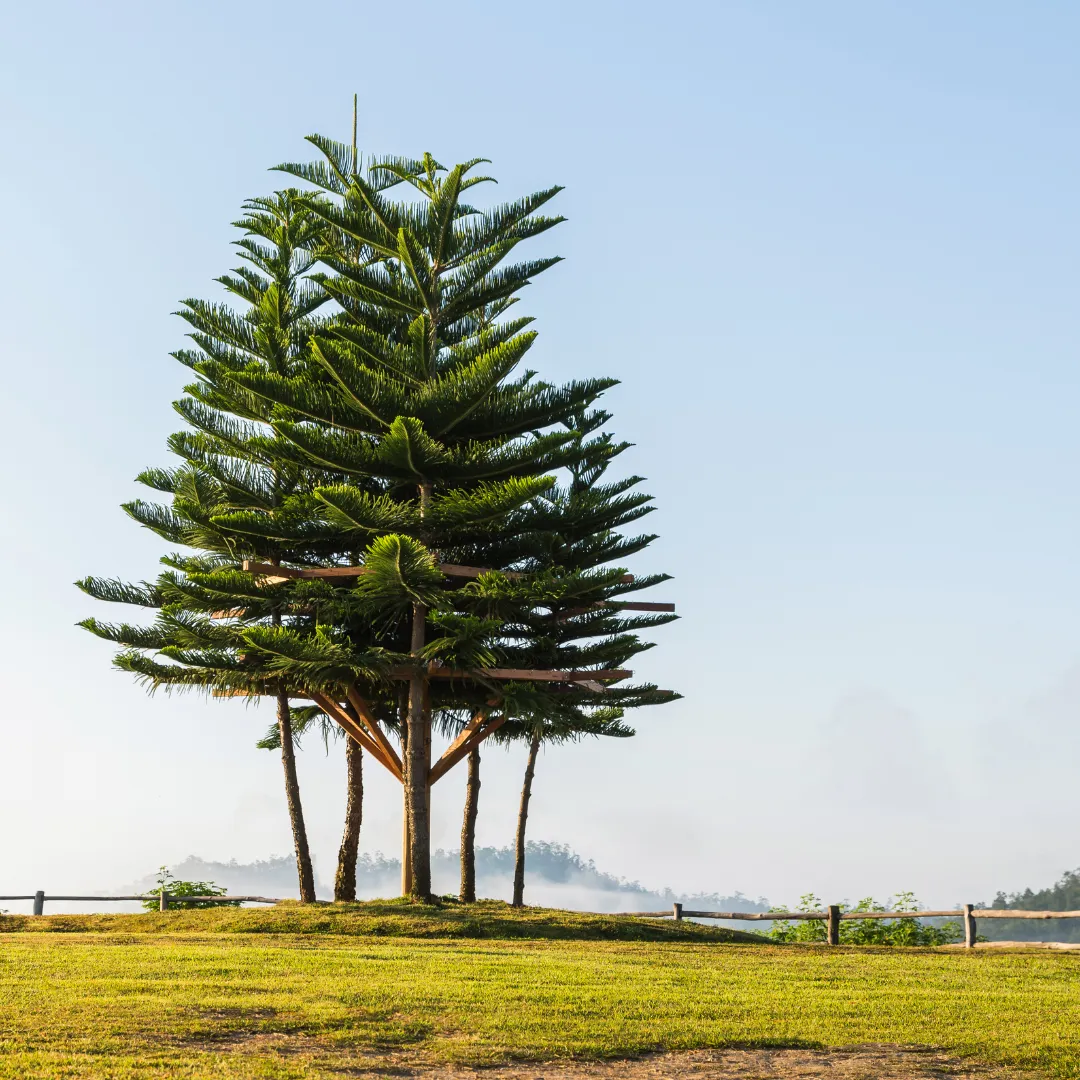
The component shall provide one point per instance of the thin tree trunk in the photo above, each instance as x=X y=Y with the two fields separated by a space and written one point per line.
x=418 y=752
x=345 y=879
x=292 y=794
x=416 y=772
x=403 y=727
x=467 y=893
x=523 y=817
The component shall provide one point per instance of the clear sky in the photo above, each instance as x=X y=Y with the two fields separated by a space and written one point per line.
x=831 y=251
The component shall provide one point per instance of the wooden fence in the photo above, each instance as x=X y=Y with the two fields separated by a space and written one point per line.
x=831 y=916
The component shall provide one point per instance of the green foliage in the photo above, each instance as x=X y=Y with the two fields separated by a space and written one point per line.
x=178 y=889
x=866 y=931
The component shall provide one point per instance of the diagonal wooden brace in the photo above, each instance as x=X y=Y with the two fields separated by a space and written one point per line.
x=477 y=730
x=348 y=724
x=367 y=718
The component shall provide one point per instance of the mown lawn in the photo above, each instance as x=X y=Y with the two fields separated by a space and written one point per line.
x=242 y=1004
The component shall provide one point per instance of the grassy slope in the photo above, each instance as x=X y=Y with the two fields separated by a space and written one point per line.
x=386 y=918
x=290 y=1005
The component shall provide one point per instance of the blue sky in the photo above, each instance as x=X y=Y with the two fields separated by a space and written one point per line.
x=829 y=248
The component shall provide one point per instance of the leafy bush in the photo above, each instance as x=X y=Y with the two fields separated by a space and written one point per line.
x=178 y=889
x=867 y=931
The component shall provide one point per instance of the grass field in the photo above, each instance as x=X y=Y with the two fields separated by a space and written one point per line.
x=195 y=994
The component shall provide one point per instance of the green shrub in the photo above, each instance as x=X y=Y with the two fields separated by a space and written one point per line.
x=178 y=889
x=867 y=931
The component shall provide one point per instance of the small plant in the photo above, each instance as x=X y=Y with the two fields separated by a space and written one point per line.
x=178 y=889
x=867 y=931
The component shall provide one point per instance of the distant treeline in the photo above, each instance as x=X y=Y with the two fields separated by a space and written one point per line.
x=1064 y=896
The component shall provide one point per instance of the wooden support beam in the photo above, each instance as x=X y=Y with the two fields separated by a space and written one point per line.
x=614 y=605
x=256 y=693
x=367 y=717
x=466 y=733
x=238 y=613
x=519 y=674
x=284 y=573
x=348 y=724
x=479 y=728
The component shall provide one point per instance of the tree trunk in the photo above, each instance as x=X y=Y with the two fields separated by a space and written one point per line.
x=523 y=817
x=467 y=893
x=416 y=771
x=292 y=794
x=345 y=879
x=418 y=752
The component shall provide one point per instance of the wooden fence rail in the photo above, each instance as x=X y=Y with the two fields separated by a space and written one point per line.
x=832 y=916
x=163 y=897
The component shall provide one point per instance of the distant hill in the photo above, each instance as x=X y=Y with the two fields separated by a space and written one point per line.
x=556 y=876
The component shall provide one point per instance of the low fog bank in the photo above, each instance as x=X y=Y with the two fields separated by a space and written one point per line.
x=555 y=876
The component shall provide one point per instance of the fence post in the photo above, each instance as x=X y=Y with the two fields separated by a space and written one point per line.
x=676 y=911
x=163 y=903
x=39 y=902
x=832 y=925
x=969 y=926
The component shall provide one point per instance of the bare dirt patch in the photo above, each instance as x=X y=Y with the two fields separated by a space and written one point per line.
x=855 y=1063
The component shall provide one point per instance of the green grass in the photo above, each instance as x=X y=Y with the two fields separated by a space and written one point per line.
x=190 y=1002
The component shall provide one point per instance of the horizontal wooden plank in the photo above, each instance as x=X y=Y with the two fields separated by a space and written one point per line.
x=153 y=896
x=755 y=916
x=239 y=613
x=454 y=570
x=257 y=693
x=519 y=674
x=285 y=573
x=1005 y=913
x=613 y=605
x=901 y=914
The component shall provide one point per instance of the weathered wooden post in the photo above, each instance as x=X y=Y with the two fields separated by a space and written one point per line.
x=39 y=902
x=676 y=911
x=832 y=925
x=969 y=926
x=163 y=902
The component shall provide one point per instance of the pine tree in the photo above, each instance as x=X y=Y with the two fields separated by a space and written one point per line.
x=439 y=435
x=347 y=478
